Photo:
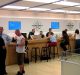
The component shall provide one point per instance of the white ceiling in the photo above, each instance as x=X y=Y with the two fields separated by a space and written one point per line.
x=30 y=4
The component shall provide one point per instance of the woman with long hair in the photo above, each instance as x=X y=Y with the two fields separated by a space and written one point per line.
x=77 y=41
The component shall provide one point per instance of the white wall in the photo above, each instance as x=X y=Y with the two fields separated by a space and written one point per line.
x=27 y=24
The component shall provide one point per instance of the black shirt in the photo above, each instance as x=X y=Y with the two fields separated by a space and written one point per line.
x=1 y=42
x=47 y=34
x=30 y=33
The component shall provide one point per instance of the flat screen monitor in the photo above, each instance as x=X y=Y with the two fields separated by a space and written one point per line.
x=14 y=25
x=55 y=25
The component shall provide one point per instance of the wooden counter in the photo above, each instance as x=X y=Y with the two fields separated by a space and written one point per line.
x=11 y=49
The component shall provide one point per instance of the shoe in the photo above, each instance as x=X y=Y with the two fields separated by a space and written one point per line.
x=23 y=71
x=5 y=73
x=19 y=73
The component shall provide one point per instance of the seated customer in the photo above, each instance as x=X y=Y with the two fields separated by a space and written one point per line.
x=77 y=41
x=31 y=33
x=52 y=40
x=42 y=35
x=64 y=41
x=50 y=32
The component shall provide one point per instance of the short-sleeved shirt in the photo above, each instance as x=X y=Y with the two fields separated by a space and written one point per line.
x=47 y=34
x=6 y=38
x=53 y=39
x=20 y=49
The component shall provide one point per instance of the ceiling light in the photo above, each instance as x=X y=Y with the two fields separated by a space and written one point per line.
x=42 y=1
x=39 y=9
x=65 y=11
x=74 y=12
x=66 y=3
x=57 y=10
x=15 y=7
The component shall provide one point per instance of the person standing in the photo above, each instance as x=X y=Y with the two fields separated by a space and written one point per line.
x=7 y=40
x=20 y=49
x=2 y=47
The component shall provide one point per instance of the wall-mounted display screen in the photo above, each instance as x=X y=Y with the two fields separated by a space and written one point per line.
x=55 y=25
x=14 y=25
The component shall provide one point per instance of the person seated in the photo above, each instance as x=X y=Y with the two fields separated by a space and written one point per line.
x=42 y=35
x=77 y=41
x=52 y=40
x=31 y=33
x=64 y=42
x=50 y=32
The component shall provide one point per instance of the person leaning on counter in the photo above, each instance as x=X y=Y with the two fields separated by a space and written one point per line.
x=7 y=40
x=42 y=35
x=50 y=32
x=31 y=33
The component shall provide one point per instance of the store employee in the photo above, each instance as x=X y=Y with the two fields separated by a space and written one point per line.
x=7 y=40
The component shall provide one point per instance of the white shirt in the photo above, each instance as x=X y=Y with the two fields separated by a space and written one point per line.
x=6 y=39
x=77 y=36
x=53 y=39
x=20 y=49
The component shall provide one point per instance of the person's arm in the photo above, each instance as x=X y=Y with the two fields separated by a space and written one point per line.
x=8 y=38
x=46 y=34
x=22 y=42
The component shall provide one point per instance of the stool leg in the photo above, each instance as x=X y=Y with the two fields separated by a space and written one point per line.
x=47 y=54
x=49 y=49
x=35 y=55
x=31 y=55
x=53 y=52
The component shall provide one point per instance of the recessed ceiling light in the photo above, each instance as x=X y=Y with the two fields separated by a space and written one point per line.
x=15 y=7
x=42 y=1
x=66 y=3
x=39 y=9
x=65 y=11
x=57 y=10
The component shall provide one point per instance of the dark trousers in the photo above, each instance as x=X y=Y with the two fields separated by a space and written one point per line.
x=2 y=61
x=77 y=46
x=63 y=46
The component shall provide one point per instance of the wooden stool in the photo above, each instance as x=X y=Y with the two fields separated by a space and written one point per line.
x=35 y=50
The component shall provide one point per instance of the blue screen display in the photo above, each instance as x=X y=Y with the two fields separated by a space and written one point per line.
x=55 y=25
x=14 y=25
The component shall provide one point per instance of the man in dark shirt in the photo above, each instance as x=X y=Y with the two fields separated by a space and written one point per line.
x=31 y=33
x=42 y=35
x=2 y=48
x=7 y=39
x=50 y=32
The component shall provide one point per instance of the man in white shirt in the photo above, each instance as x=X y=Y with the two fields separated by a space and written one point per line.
x=20 y=49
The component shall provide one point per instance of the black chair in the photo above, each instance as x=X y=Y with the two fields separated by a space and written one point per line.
x=26 y=58
x=34 y=53
x=45 y=53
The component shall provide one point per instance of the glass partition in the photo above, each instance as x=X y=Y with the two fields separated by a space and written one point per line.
x=70 y=65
